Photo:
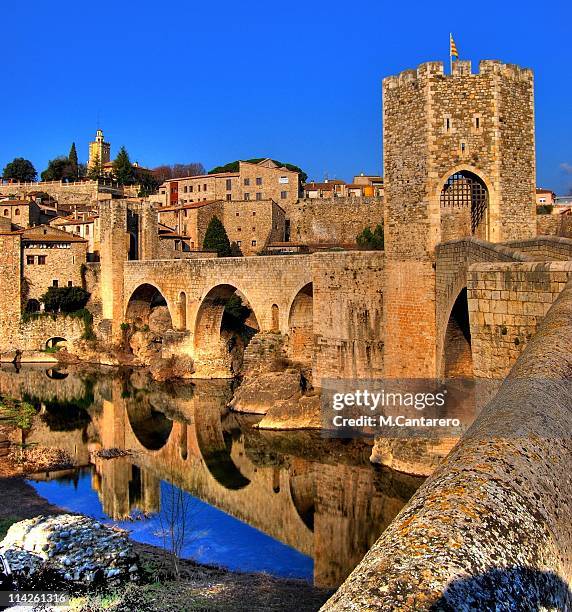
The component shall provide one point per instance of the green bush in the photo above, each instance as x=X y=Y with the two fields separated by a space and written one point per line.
x=544 y=209
x=216 y=238
x=65 y=299
x=371 y=241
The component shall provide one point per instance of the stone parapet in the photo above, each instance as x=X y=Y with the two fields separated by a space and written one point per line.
x=493 y=523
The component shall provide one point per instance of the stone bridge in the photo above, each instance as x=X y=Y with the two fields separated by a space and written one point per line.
x=278 y=290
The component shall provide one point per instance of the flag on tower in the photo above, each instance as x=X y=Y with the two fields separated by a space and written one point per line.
x=453 y=48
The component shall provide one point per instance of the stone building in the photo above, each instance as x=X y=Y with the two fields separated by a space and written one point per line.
x=51 y=257
x=26 y=212
x=264 y=180
x=86 y=226
x=459 y=160
x=545 y=197
x=99 y=150
x=249 y=224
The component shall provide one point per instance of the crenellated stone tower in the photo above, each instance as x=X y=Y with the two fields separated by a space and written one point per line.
x=459 y=160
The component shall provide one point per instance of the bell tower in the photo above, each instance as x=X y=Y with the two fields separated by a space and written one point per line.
x=99 y=150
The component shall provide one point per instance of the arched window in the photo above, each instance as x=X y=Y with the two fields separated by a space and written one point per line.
x=466 y=191
x=275 y=318
x=17 y=212
x=6 y=212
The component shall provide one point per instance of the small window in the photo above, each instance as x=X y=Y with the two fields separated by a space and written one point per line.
x=246 y=182
x=55 y=282
x=259 y=180
x=238 y=214
x=258 y=195
x=253 y=228
x=87 y=230
x=205 y=187
x=41 y=260
x=198 y=187
x=464 y=148
x=247 y=196
x=253 y=243
x=477 y=122
x=70 y=283
x=30 y=260
x=228 y=184
x=6 y=212
x=254 y=213
x=239 y=242
x=191 y=189
x=228 y=197
x=17 y=212
x=77 y=229
x=238 y=229
x=283 y=195
x=185 y=189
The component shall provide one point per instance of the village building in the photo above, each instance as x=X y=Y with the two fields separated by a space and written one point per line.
x=84 y=224
x=26 y=212
x=545 y=197
x=264 y=180
x=51 y=257
x=249 y=225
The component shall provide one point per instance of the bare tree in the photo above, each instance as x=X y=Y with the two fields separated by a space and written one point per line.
x=166 y=171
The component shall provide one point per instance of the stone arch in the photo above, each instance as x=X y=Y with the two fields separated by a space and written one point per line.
x=460 y=208
x=213 y=343
x=457 y=361
x=275 y=318
x=182 y=311
x=303 y=495
x=151 y=427
x=144 y=299
x=56 y=342
x=301 y=326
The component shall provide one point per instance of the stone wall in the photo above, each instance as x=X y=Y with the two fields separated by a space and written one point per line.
x=493 y=523
x=544 y=248
x=85 y=192
x=507 y=302
x=348 y=311
x=332 y=220
x=10 y=288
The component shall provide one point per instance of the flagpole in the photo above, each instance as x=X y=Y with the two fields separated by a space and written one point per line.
x=450 y=52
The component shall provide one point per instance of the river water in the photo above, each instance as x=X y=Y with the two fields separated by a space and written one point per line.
x=204 y=481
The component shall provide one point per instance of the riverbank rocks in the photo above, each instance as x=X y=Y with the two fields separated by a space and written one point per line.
x=258 y=393
x=172 y=368
x=75 y=548
x=296 y=413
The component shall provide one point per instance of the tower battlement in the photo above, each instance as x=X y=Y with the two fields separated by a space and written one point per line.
x=461 y=68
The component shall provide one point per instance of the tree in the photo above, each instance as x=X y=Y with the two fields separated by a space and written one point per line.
x=122 y=168
x=216 y=238
x=20 y=169
x=59 y=169
x=65 y=299
x=95 y=169
x=148 y=184
x=166 y=172
x=73 y=159
x=371 y=241
x=235 y=165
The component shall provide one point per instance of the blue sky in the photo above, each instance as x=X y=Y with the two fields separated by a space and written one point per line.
x=297 y=81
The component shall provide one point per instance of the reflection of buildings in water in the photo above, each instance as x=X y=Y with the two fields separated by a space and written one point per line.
x=321 y=497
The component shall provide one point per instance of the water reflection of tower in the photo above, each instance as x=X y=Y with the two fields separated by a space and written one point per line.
x=121 y=485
